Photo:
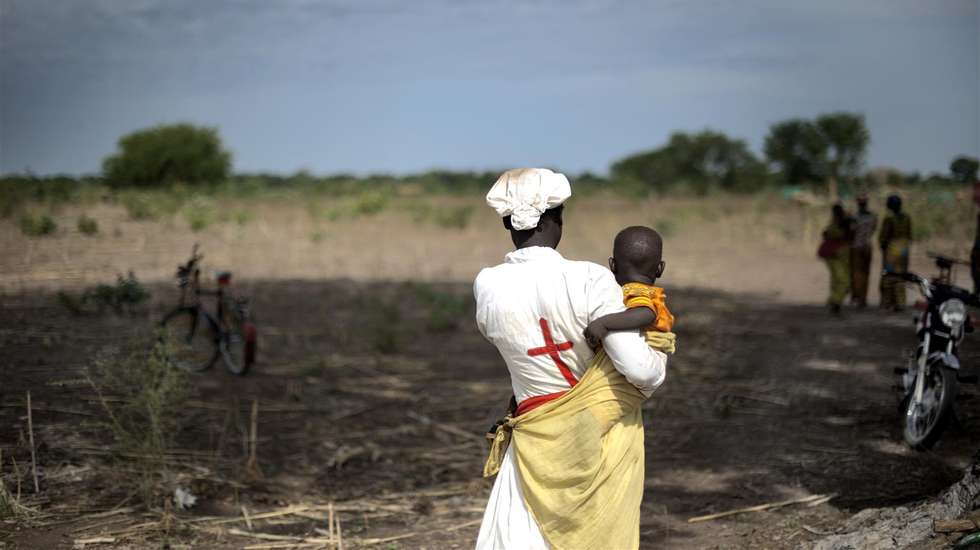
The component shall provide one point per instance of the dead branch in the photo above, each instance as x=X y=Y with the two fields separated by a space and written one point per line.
x=252 y=466
x=96 y=540
x=761 y=507
x=954 y=525
x=248 y=520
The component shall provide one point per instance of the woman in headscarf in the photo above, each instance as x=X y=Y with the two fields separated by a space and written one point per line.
x=836 y=251
x=894 y=238
x=569 y=460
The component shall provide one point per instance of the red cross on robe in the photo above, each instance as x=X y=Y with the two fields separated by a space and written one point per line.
x=552 y=350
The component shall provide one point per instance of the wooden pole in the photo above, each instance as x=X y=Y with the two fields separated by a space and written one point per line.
x=30 y=432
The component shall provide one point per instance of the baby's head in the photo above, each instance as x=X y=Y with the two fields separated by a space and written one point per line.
x=637 y=256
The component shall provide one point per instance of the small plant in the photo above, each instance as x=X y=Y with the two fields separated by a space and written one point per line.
x=37 y=225
x=370 y=203
x=199 y=213
x=10 y=502
x=145 y=422
x=74 y=304
x=445 y=310
x=87 y=225
x=145 y=205
x=242 y=217
x=139 y=206
x=454 y=218
x=381 y=324
x=127 y=293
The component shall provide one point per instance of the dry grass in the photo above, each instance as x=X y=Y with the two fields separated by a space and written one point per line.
x=143 y=400
x=759 y=244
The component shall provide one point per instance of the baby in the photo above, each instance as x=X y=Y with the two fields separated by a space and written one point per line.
x=637 y=264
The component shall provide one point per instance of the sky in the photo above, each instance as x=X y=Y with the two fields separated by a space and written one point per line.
x=402 y=86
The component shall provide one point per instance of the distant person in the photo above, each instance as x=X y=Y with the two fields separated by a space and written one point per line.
x=865 y=223
x=835 y=250
x=894 y=238
x=975 y=255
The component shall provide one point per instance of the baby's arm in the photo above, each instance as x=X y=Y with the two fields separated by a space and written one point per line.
x=631 y=319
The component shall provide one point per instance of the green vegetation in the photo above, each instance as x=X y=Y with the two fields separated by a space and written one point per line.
x=87 y=225
x=126 y=294
x=179 y=153
x=200 y=213
x=810 y=152
x=35 y=224
x=444 y=310
x=16 y=192
x=454 y=218
x=151 y=205
x=964 y=169
x=698 y=161
x=143 y=398
x=161 y=171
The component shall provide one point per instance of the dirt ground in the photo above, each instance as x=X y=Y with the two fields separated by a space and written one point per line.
x=373 y=395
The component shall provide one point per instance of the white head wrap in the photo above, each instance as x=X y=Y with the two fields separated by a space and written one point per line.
x=525 y=193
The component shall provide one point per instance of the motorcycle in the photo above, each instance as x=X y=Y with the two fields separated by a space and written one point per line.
x=930 y=381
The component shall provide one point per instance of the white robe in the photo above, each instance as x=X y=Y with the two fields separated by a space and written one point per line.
x=512 y=299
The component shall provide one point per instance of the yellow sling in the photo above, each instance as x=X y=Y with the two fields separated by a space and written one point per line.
x=580 y=461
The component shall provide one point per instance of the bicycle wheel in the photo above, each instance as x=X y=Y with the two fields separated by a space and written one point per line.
x=238 y=347
x=190 y=338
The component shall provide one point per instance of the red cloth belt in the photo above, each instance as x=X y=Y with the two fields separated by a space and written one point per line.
x=536 y=401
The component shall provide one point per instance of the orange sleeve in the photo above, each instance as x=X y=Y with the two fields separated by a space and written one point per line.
x=637 y=295
x=640 y=301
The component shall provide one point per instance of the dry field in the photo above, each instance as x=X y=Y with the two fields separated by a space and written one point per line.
x=374 y=387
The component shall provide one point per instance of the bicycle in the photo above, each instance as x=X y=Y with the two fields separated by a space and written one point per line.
x=194 y=338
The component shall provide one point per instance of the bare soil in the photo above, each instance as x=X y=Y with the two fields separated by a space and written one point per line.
x=369 y=398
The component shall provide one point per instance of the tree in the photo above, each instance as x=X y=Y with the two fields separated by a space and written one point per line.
x=847 y=139
x=964 y=169
x=168 y=154
x=702 y=160
x=798 y=149
x=830 y=148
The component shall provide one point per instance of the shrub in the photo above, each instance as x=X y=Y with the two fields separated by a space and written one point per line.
x=168 y=154
x=199 y=213
x=454 y=218
x=37 y=225
x=87 y=225
x=142 y=205
x=127 y=293
x=444 y=310
x=370 y=203
x=145 y=422
x=381 y=322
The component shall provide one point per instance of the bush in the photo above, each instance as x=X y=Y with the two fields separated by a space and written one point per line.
x=87 y=225
x=454 y=218
x=142 y=206
x=37 y=225
x=445 y=310
x=127 y=293
x=698 y=161
x=370 y=203
x=168 y=154
x=145 y=422
x=199 y=213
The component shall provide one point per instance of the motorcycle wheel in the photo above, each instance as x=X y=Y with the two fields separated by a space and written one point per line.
x=924 y=424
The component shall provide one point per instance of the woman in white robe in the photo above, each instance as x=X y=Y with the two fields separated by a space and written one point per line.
x=534 y=308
